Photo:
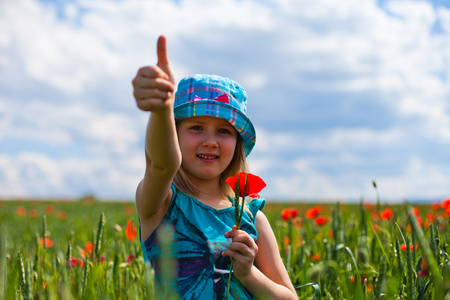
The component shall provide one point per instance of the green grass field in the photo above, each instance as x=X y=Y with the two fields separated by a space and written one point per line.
x=89 y=249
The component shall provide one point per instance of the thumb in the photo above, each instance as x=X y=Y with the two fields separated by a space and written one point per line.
x=163 y=60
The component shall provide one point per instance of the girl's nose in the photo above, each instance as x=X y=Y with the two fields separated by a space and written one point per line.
x=210 y=142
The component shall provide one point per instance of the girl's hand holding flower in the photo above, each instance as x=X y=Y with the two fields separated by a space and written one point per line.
x=243 y=249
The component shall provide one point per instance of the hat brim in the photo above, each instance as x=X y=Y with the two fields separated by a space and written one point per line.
x=213 y=108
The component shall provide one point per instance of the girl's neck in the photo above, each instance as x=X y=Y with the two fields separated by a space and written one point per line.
x=211 y=194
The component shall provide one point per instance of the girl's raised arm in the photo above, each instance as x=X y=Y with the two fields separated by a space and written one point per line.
x=154 y=91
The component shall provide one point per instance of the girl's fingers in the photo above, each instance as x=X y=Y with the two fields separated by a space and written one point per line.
x=244 y=248
x=152 y=83
x=151 y=104
x=152 y=72
x=144 y=94
x=241 y=236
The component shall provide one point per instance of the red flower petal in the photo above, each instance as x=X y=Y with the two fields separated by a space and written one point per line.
x=321 y=220
x=288 y=213
x=445 y=204
x=313 y=212
x=254 y=183
x=130 y=231
x=387 y=214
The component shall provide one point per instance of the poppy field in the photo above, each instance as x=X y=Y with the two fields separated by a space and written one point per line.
x=89 y=249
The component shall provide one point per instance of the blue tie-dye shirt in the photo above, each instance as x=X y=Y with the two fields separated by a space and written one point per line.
x=186 y=249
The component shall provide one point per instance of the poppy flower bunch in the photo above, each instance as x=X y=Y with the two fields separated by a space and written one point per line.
x=445 y=204
x=288 y=213
x=243 y=184
x=315 y=213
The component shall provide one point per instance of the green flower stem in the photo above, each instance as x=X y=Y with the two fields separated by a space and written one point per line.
x=434 y=269
x=238 y=218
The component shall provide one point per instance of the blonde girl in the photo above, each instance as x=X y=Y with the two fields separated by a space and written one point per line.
x=195 y=139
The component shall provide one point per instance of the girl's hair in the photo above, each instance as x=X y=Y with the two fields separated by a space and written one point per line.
x=237 y=164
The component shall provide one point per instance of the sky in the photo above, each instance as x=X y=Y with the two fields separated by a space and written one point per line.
x=341 y=93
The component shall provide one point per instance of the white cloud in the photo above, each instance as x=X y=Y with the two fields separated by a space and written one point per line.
x=339 y=91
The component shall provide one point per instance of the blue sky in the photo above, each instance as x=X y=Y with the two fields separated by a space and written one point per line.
x=341 y=92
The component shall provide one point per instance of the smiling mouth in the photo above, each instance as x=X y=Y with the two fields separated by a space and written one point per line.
x=207 y=156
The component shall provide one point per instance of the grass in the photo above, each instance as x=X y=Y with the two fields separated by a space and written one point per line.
x=86 y=249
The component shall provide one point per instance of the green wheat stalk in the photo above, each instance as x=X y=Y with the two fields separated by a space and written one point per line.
x=98 y=240
x=378 y=196
x=400 y=266
x=3 y=264
x=24 y=284
x=69 y=248
x=410 y=272
x=434 y=268
x=437 y=240
x=37 y=254
x=44 y=235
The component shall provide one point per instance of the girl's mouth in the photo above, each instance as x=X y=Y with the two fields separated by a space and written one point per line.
x=207 y=157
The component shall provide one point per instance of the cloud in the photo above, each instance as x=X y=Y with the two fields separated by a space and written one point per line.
x=341 y=92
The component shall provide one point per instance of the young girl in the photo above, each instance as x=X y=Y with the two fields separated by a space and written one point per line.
x=196 y=138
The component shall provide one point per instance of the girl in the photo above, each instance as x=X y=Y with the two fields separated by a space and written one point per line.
x=195 y=139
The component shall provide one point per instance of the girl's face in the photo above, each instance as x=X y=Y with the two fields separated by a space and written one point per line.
x=207 y=145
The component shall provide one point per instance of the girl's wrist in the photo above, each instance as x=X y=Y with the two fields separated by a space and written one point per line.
x=249 y=277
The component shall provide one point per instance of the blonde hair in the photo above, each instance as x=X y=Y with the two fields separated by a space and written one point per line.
x=237 y=164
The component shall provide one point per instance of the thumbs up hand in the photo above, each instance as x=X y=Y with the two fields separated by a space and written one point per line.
x=154 y=86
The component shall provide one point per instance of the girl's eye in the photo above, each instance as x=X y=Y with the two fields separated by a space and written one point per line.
x=196 y=127
x=224 y=131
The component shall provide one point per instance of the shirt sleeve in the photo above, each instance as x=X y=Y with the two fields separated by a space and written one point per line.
x=255 y=205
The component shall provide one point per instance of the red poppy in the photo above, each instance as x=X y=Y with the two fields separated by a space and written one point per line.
x=445 y=204
x=298 y=222
x=315 y=257
x=424 y=272
x=61 y=214
x=254 y=196
x=286 y=241
x=352 y=278
x=313 y=212
x=130 y=259
x=48 y=242
x=254 y=183
x=84 y=253
x=416 y=211
x=88 y=246
x=387 y=214
x=102 y=258
x=130 y=231
x=21 y=211
x=33 y=213
x=368 y=206
x=76 y=261
x=375 y=215
x=321 y=220
x=128 y=210
x=403 y=247
x=49 y=209
x=376 y=227
x=288 y=213
x=435 y=205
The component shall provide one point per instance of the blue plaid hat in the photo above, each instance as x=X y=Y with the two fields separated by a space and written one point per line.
x=215 y=96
